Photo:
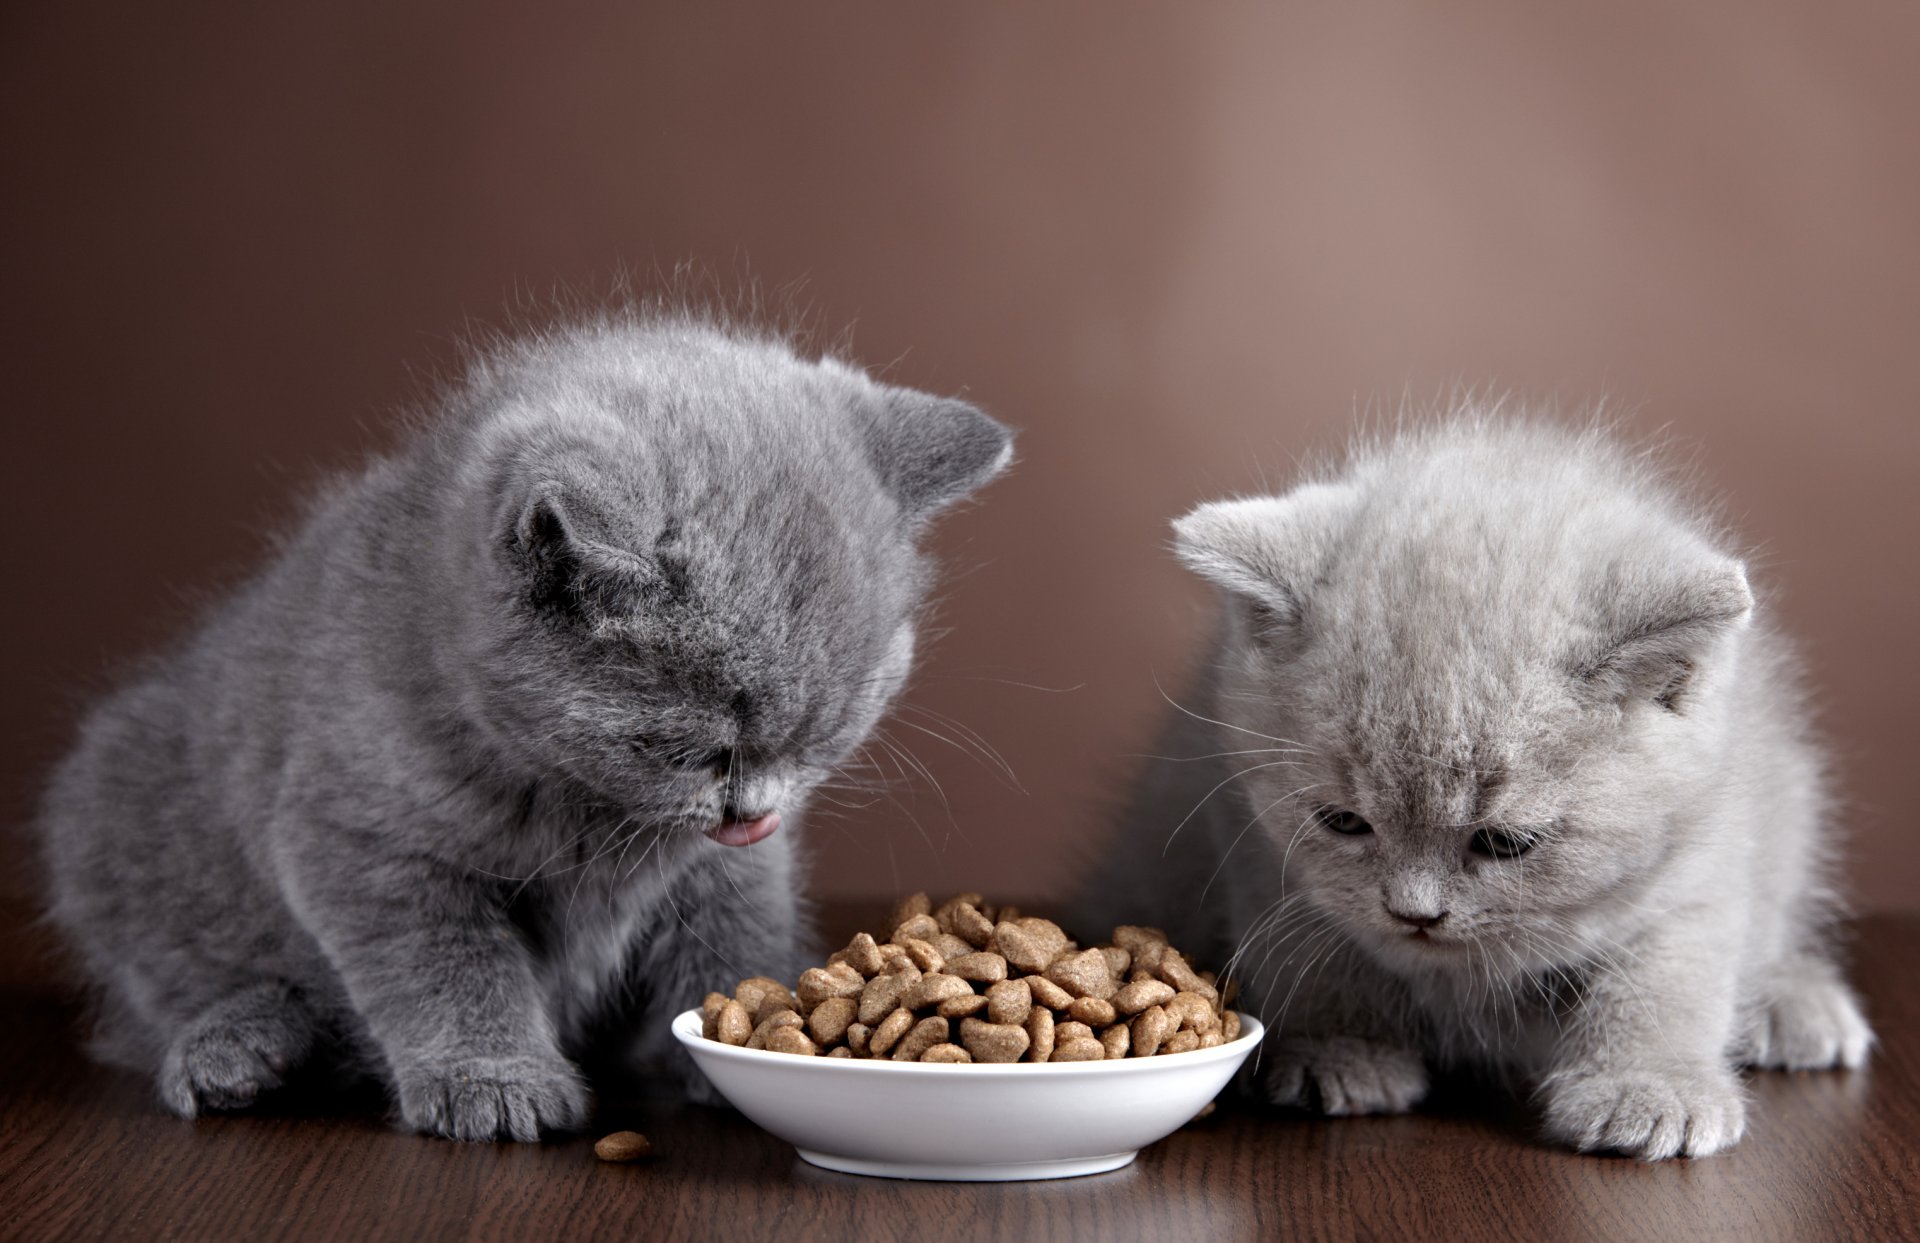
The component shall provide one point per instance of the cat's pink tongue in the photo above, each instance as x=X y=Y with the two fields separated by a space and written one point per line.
x=744 y=832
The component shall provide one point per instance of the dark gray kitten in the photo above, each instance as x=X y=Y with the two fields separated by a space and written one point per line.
x=1501 y=764
x=488 y=762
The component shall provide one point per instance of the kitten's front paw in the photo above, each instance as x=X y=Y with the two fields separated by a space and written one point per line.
x=1650 y=1114
x=232 y=1056
x=1344 y=1075
x=492 y=1098
x=1811 y=1024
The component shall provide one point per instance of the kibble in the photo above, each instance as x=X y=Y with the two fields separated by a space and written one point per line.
x=951 y=947
x=1008 y=1001
x=863 y=955
x=922 y=1036
x=979 y=967
x=1040 y=1034
x=1151 y=1029
x=751 y=991
x=886 y=1035
x=968 y=982
x=1049 y=994
x=924 y=955
x=919 y=928
x=790 y=1040
x=1092 y=1011
x=830 y=1019
x=710 y=1014
x=907 y=908
x=771 y=1024
x=1140 y=994
x=732 y=1025
x=622 y=1146
x=961 y=1007
x=994 y=1042
x=932 y=989
x=1079 y=1049
x=1083 y=975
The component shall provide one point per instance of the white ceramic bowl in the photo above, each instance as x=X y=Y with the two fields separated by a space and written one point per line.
x=978 y=1123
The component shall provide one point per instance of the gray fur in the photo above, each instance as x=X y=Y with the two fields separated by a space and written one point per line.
x=1483 y=624
x=427 y=794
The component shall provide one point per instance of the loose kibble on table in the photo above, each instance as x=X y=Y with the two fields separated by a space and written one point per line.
x=623 y=1146
x=969 y=983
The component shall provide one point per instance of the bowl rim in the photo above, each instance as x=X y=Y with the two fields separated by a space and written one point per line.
x=686 y=1029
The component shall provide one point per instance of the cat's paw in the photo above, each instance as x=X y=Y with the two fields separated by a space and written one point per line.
x=1344 y=1075
x=231 y=1057
x=1810 y=1024
x=1646 y=1113
x=489 y=1098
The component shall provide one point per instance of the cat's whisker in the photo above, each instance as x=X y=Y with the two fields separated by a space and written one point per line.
x=1194 y=759
x=1244 y=830
x=1286 y=856
x=613 y=870
x=1314 y=920
x=1318 y=944
x=666 y=892
x=974 y=744
x=1178 y=707
x=902 y=751
x=1218 y=786
x=614 y=840
x=521 y=882
x=1265 y=924
x=1030 y=686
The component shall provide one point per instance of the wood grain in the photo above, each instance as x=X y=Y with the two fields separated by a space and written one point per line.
x=84 y=1153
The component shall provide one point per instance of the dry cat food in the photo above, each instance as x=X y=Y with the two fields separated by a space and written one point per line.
x=622 y=1146
x=970 y=982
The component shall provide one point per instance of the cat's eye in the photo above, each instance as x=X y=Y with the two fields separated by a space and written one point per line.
x=1500 y=844
x=1342 y=821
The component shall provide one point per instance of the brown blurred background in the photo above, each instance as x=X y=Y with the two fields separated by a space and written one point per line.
x=1177 y=245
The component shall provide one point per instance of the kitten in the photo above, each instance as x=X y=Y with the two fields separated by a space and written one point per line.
x=490 y=760
x=1503 y=767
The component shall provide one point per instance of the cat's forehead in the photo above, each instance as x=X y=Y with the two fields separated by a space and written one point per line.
x=1441 y=736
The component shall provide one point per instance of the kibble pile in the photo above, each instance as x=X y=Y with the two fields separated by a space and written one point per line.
x=971 y=982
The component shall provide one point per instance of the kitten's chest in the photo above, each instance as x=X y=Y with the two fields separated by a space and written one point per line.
x=584 y=932
x=1510 y=1024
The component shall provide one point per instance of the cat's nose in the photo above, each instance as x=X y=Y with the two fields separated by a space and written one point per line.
x=1417 y=921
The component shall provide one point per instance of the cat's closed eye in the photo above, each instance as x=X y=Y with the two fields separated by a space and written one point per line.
x=1343 y=822
x=1501 y=843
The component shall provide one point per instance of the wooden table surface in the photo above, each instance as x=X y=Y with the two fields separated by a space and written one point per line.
x=85 y=1153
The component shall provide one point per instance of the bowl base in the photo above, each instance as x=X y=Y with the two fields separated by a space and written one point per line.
x=1012 y=1172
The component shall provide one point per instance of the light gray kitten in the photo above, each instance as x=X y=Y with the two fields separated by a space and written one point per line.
x=1503 y=768
x=487 y=764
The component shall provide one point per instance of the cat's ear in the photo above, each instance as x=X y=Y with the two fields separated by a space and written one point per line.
x=546 y=549
x=1267 y=550
x=931 y=451
x=1660 y=624
x=566 y=571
